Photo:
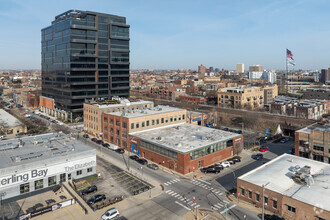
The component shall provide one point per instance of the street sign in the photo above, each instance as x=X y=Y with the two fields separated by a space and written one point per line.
x=194 y=200
x=267 y=131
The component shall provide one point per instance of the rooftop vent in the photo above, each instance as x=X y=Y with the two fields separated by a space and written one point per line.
x=160 y=138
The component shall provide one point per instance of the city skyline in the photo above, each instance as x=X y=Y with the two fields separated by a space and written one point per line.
x=181 y=35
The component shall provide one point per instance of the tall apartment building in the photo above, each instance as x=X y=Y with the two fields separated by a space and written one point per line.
x=270 y=92
x=202 y=69
x=85 y=55
x=269 y=76
x=313 y=142
x=93 y=112
x=240 y=67
x=325 y=76
x=117 y=125
x=256 y=68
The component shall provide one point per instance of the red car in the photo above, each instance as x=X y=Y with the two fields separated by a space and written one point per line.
x=263 y=149
x=94 y=139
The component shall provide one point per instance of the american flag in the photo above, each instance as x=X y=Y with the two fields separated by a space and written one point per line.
x=289 y=54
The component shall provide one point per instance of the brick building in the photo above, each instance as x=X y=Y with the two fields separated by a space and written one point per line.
x=313 y=142
x=294 y=187
x=29 y=99
x=185 y=147
x=93 y=111
x=47 y=105
x=117 y=125
x=317 y=93
x=195 y=100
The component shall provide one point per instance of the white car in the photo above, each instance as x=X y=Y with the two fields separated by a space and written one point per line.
x=224 y=164
x=110 y=214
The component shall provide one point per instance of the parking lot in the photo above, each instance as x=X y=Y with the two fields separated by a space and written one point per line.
x=113 y=182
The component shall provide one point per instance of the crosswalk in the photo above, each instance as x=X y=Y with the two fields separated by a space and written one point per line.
x=171 y=182
x=188 y=203
x=222 y=206
x=207 y=186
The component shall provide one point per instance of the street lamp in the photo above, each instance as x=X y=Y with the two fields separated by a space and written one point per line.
x=142 y=171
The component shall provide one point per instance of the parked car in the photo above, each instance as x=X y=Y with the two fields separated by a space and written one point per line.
x=110 y=214
x=142 y=161
x=238 y=131
x=273 y=217
x=89 y=189
x=263 y=149
x=211 y=169
x=120 y=151
x=226 y=129
x=113 y=147
x=94 y=139
x=96 y=198
x=258 y=156
x=284 y=140
x=230 y=130
x=153 y=166
x=99 y=142
x=134 y=157
x=224 y=164
x=105 y=145
x=291 y=151
x=85 y=136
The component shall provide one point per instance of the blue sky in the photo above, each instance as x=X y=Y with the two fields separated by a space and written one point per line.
x=179 y=34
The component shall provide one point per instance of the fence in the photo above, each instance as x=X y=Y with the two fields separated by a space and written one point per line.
x=81 y=205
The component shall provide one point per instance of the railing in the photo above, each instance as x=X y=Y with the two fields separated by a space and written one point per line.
x=81 y=205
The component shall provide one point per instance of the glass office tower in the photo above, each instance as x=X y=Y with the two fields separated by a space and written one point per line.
x=85 y=55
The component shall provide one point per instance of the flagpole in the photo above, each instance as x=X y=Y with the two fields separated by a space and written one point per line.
x=286 y=80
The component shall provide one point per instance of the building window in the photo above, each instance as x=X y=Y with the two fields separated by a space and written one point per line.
x=162 y=120
x=179 y=118
x=291 y=209
x=171 y=119
x=157 y=121
x=143 y=124
x=266 y=200
x=105 y=120
x=274 y=203
x=132 y=125
x=183 y=116
x=257 y=197
x=117 y=133
x=147 y=123
x=242 y=191
x=250 y=194
x=123 y=134
x=89 y=169
x=124 y=124
x=174 y=118
x=39 y=184
x=79 y=172
x=51 y=180
x=117 y=123
x=137 y=125
x=111 y=121
x=24 y=188
x=166 y=120
x=111 y=130
x=153 y=122
x=62 y=177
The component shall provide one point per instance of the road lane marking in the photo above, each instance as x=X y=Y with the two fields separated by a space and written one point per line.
x=177 y=196
x=225 y=210
x=189 y=209
x=167 y=191
x=225 y=201
x=204 y=181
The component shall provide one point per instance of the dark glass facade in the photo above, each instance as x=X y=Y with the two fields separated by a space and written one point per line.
x=85 y=55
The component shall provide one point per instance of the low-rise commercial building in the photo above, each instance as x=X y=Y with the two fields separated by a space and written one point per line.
x=93 y=112
x=47 y=106
x=35 y=164
x=185 y=147
x=195 y=100
x=10 y=126
x=313 y=142
x=316 y=93
x=289 y=186
x=117 y=125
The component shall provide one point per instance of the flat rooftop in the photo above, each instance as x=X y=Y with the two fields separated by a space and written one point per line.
x=184 y=137
x=316 y=127
x=18 y=151
x=146 y=111
x=120 y=103
x=7 y=120
x=279 y=172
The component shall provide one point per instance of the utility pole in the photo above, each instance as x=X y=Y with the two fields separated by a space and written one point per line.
x=263 y=200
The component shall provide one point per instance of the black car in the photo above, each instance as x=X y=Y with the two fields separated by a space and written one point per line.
x=105 y=145
x=89 y=189
x=134 y=157
x=226 y=129
x=211 y=169
x=85 y=136
x=95 y=199
x=120 y=151
x=99 y=142
x=273 y=217
x=142 y=161
x=258 y=156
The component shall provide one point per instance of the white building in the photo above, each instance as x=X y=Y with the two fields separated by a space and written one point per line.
x=265 y=75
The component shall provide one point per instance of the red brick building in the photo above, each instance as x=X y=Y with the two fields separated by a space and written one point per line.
x=193 y=99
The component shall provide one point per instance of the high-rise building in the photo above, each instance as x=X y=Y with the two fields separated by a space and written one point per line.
x=265 y=75
x=325 y=76
x=85 y=55
x=256 y=68
x=202 y=69
x=240 y=67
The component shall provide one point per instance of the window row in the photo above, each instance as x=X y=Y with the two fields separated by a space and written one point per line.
x=159 y=150
x=157 y=121
x=210 y=149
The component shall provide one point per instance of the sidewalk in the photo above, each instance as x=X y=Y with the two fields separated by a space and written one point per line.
x=247 y=205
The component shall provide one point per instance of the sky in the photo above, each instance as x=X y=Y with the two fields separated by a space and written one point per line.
x=182 y=34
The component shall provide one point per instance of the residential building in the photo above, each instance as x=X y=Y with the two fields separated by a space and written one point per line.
x=29 y=99
x=240 y=67
x=256 y=68
x=269 y=76
x=317 y=93
x=10 y=126
x=202 y=69
x=289 y=186
x=325 y=76
x=313 y=142
x=270 y=92
x=197 y=118
x=186 y=147
x=32 y=165
x=85 y=55
x=241 y=97
x=195 y=100
x=116 y=126
x=93 y=111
